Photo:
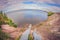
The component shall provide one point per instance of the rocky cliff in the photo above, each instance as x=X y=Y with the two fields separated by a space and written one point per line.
x=50 y=29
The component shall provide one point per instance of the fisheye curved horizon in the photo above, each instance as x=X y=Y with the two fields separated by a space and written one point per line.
x=28 y=16
x=32 y=5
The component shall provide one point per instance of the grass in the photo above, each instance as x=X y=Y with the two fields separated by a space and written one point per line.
x=30 y=37
x=50 y=13
x=5 y=20
x=3 y=36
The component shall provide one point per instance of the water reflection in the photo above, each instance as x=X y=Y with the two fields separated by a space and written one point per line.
x=28 y=16
x=26 y=33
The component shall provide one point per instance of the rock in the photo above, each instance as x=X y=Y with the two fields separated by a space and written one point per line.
x=50 y=29
x=14 y=33
x=7 y=28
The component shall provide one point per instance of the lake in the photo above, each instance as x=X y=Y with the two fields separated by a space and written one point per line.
x=28 y=16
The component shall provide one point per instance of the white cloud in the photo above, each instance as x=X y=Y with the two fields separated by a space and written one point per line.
x=20 y=6
x=16 y=5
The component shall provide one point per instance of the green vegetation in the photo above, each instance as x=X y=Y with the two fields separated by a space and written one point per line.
x=50 y=13
x=30 y=37
x=5 y=20
x=3 y=36
x=18 y=37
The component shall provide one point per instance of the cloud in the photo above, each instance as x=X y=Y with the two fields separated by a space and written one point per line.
x=48 y=1
x=42 y=4
x=32 y=5
x=56 y=1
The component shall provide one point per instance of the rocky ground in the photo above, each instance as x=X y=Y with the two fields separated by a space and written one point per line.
x=13 y=32
x=50 y=29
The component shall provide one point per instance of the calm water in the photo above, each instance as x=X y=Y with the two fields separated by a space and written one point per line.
x=28 y=16
x=26 y=33
x=37 y=36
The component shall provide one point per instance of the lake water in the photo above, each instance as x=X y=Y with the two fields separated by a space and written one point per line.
x=28 y=16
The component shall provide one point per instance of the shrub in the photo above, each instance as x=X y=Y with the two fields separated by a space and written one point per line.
x=5 y=20
x=50 y=13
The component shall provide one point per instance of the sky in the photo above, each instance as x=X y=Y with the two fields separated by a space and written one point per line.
x=50 y=5
x=13 y=7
